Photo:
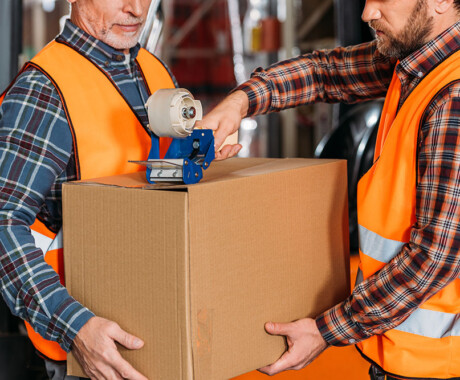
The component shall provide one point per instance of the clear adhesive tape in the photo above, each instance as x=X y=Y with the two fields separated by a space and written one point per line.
x=173 y=112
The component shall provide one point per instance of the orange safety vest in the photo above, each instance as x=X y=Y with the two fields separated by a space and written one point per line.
x=427 y=343
x=106 y=134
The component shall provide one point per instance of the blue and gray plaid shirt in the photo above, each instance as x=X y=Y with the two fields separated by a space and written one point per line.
x=36 y=158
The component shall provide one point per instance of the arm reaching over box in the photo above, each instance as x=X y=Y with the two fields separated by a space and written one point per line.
x=305 y=344
x=225 y=119
x=94 y=346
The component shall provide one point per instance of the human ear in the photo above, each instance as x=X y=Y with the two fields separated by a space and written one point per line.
x=442 y=6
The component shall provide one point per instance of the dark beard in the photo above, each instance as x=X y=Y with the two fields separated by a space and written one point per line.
x=413 y=36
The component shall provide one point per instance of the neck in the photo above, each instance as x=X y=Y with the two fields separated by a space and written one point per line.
x=443 y=22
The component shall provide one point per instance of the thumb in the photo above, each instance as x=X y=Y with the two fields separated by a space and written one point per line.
x=199 y=124
x=127 y=340
x=282 y=364
x=277 y=328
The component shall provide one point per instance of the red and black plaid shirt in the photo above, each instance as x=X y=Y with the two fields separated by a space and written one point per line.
x=432 y=257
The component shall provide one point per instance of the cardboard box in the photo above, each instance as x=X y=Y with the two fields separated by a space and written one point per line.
x=196 y=271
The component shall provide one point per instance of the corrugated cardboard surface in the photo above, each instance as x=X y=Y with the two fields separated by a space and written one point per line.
x=128 y=269
x=196 y=271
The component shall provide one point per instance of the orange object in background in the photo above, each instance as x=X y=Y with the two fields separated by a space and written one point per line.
x=270 y=34
x=344 y=363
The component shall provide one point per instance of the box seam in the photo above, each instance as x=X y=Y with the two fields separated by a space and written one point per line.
x=188 y=296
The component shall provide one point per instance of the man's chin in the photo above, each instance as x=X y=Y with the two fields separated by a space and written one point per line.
x=120 y=43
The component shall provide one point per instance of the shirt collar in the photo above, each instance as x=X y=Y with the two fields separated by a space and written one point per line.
x=93 y=48
x=422 y=61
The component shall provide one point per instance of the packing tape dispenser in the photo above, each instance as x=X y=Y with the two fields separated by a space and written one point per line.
x=173 y=113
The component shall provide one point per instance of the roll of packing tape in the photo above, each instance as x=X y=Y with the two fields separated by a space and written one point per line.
x=173 y=112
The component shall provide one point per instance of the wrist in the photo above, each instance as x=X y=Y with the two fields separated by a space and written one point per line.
x=240 y=99
x=337 y=328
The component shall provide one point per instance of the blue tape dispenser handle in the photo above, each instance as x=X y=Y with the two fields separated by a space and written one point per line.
x=173 y=113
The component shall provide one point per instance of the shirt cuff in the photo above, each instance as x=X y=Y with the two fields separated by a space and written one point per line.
x=259 y=93
x=67 y=321
x=337 y=327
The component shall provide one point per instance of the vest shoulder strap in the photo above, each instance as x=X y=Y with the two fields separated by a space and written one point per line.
x=442 y=75
x=150 y=66
x=100 y=117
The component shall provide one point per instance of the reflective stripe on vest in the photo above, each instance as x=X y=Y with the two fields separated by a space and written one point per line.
x=47 y=244
x=427 y=323
x=377 y=247
x=431 y=324
x=51 y=246
x=427 y=343
x=105 y=130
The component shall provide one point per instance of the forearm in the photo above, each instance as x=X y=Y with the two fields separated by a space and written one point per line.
x=385 y=300
x=345 y=75
x=431 y=259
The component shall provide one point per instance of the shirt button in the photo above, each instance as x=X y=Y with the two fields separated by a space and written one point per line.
x=106 y=63
x=119 y=58
x=352 y=341
x=420 y=74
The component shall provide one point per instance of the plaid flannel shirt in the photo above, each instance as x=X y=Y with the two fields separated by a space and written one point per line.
x=431 y=259
x=36 y=158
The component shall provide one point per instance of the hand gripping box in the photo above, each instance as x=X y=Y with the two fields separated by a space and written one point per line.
x=196 y=271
